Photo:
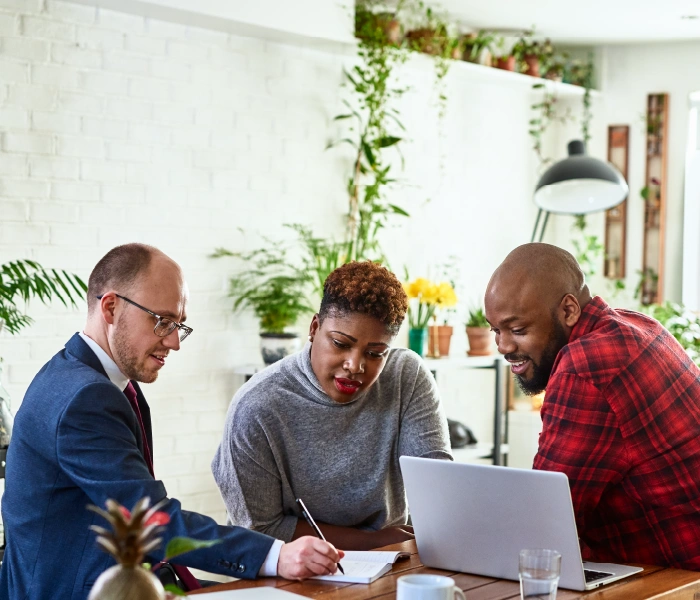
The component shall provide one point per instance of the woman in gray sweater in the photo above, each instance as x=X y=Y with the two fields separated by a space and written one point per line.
x=329 y=423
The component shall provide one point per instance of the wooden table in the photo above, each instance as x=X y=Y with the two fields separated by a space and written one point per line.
x=653 y=582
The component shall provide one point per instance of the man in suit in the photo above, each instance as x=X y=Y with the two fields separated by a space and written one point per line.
x=83 y=435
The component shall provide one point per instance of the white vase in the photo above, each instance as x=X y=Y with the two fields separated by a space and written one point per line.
x=275 y=346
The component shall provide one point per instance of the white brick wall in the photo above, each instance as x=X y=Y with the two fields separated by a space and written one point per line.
x=113 y=129
x=117 y=128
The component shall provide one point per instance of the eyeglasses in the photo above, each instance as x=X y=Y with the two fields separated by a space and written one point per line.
x=164 y=326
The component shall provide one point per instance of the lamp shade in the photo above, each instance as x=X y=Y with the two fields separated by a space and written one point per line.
x=580 y=184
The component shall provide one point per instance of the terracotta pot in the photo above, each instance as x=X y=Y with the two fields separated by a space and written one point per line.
x=384 y=21
x=392 y=30
x=444 y=336
x=533 y=65
x=480 y=339
x=507 y=63
x=424 y=40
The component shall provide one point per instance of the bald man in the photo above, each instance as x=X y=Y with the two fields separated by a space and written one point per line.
x=83 y=435
x=621 y=415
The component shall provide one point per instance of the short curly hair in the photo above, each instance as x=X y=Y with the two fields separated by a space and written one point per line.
x=367 y=288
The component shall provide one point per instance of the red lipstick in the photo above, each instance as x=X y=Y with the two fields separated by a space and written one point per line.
x=347 y=386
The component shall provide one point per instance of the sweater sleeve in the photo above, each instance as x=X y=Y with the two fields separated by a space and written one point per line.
x=247 y=474
x=423 y=430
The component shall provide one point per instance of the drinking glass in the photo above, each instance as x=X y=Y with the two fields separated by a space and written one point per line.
x=539 y=574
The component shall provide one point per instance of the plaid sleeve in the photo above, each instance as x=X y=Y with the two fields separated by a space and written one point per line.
x=581 y=438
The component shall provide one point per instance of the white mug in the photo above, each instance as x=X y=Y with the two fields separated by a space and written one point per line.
x=427 y=587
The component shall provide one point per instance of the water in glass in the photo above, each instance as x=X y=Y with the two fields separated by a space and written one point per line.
x=538 y=584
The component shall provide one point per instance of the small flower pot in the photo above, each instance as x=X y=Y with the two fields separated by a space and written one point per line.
x=506 y=63
x=444 y=337
x=533 y=65
x=480 y=339
x=275 y=346
x=417 y=339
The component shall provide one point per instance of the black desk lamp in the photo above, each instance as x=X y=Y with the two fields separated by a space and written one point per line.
x=577 y=185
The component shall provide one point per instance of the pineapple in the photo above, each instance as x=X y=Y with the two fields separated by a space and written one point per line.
x=133 y=535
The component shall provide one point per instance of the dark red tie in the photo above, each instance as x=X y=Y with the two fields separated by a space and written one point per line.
x=130 y=392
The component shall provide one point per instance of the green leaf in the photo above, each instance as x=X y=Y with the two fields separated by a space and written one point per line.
x=174 y=590
x=398 y=210
x=179 y=545
x=387 y=141
x=340 y=117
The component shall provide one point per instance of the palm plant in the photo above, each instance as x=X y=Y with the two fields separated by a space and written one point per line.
x=22 y=280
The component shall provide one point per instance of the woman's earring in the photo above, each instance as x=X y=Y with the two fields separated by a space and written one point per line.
x=311 y=339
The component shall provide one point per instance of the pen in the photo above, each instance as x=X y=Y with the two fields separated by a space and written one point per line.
x=312 y=523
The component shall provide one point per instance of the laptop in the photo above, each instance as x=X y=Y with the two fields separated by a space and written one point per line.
x=476 y=519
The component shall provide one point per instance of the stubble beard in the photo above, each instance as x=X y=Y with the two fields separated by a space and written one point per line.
x=543 y=370
x=126 y=357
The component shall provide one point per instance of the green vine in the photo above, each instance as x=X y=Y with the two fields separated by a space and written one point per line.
x=587 y=248
x=545 y=114
x=587 y=80
x=375 y=127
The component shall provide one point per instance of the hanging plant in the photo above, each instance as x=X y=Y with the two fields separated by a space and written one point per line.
x=375 y=128
x=587 y=82
x=587 y=248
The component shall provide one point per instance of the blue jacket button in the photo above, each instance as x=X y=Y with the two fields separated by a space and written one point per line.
x=241 y=568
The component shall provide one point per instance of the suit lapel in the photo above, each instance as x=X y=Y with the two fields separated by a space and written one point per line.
x=77 y=348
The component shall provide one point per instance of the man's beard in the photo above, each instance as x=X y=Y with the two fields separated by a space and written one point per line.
x=125 y=356
x=542 y=371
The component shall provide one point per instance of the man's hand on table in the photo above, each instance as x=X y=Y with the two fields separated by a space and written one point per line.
x=306 y=557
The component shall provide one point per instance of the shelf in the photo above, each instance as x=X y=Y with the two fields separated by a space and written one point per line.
x=492 y=75
x=463 y=362
x=226 y=17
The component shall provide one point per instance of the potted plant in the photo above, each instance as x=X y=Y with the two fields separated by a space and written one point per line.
x=478 y=333
x=440 y=336
x=276 y=292
x=425 y=297
x=477 y=47
x=431 y=36
x=133 y=534
x=553 y=68
x=501 y=58
x=376 y=25
x=532 y=56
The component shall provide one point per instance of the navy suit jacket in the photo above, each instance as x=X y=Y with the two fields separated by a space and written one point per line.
x=76 y=441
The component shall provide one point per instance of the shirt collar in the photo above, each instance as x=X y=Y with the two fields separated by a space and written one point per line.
x=115 y=375
x=590 y=314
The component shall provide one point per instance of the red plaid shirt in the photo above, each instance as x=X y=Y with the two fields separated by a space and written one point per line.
x=621 y=418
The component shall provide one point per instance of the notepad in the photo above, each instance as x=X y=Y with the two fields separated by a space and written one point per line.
x=365 y=566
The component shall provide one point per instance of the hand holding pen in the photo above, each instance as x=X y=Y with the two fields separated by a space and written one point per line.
x=312 y=524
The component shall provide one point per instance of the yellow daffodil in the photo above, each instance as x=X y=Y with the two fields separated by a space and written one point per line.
x=425 y=297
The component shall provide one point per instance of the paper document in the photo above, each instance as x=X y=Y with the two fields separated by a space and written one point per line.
x=364 y=566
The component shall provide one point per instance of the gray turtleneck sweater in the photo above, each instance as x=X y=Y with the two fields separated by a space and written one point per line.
x=285 y=439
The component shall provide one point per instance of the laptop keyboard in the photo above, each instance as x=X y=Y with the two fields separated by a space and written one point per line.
x=592 y=576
